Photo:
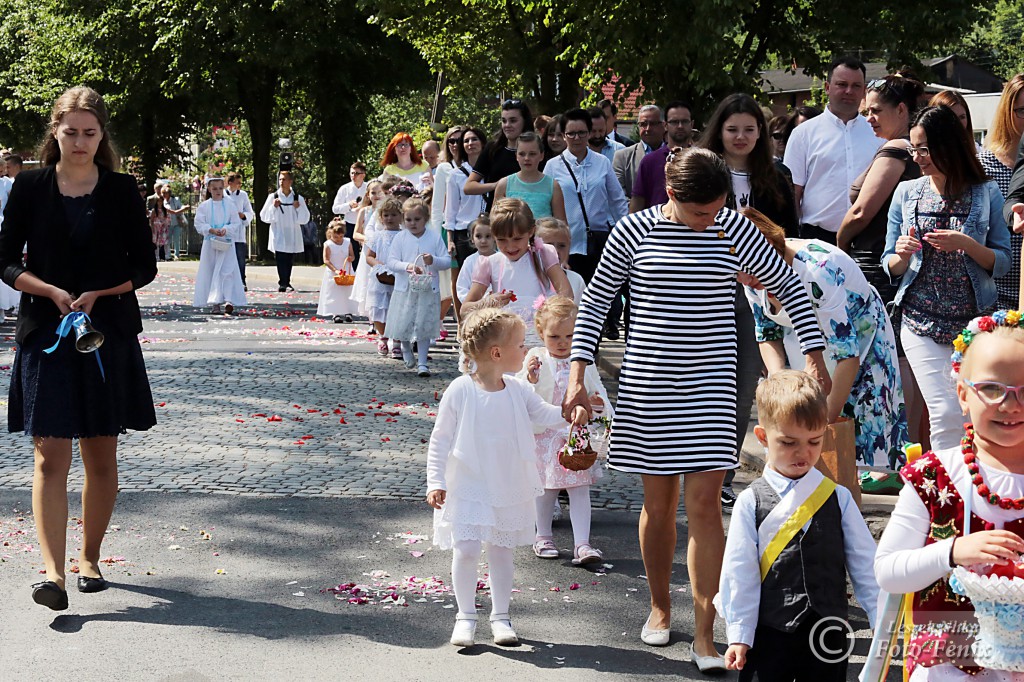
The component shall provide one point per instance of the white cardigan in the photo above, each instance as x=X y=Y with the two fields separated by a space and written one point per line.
x=456 y=428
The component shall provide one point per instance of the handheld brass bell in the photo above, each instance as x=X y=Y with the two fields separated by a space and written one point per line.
x=87 y=339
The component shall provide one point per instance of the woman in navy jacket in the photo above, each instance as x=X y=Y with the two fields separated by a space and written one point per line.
x=88 y=249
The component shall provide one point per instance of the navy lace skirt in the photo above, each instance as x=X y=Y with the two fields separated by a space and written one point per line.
x=63 y=395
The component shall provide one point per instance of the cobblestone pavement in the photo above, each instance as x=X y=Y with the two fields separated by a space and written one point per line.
x=273 y=401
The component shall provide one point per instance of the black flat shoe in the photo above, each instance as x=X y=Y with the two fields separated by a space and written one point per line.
x=88 y=585
x=48 y=594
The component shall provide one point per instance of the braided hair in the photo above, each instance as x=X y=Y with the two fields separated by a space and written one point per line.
x=483 y=329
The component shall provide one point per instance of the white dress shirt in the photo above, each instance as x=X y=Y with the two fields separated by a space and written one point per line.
x=825 y=156
x=460 y=209
x=347 y=193
x=242 y=203
x=739 y=597
x=605 y=201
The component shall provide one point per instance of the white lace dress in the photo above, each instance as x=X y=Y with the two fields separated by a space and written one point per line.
x=363 y=268
x=491 y=474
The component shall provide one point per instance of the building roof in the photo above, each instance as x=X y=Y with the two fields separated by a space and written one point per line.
x=781 y=81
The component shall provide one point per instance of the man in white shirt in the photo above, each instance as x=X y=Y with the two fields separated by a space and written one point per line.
x=611 y=113
x=827 y=153
x=599 y=140
x=347 y=200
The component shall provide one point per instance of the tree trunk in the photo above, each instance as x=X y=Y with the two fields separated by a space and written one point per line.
x=150 y=151
x=256 y=96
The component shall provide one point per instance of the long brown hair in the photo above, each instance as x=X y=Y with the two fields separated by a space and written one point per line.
x=80 y=98
x=952 y=149
x=764 y=176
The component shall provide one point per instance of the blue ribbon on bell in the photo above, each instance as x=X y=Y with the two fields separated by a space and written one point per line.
x=87 y=338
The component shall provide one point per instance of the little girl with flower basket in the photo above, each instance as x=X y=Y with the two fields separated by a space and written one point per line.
x=547 y=371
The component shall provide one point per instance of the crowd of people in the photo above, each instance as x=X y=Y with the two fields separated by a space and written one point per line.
x=834 y=265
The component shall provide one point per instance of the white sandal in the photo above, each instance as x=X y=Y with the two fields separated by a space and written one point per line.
x=545 y=548
x=585 y=554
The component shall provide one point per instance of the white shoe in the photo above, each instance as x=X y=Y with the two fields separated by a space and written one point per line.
x=652 y=637
x=465 y=629
x=707 y=664
x=501 y=630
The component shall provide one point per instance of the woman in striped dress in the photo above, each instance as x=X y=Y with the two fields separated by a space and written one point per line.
x=676 y=412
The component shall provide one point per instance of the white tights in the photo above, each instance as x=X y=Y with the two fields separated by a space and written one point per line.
x=579 y=513
x=421 y=351
x=499 y=563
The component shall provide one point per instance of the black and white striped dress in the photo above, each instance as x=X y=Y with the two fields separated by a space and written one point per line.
x=676 y=411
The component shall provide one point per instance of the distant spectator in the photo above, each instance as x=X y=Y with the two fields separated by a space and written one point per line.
x=540 y=125
x=14 y=165
x=956 y=102
x=998 y=159
x=777 y=131
x=799 y=115
x=626 y=162
x=431 y=154
x=599 y=141
x=177 y=225
x=402 y=159
x=649 y=186
x=498 y=159
x=611 y=113
x=554 y=142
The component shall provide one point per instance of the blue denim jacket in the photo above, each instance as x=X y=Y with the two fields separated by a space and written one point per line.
x=984 y=224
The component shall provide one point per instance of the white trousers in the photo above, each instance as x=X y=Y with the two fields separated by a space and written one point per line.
x=930 y=362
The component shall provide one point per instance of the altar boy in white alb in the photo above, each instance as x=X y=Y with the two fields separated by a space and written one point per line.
x=286 y=212
x=218 y=280
x=794 y=535
x=247 y=214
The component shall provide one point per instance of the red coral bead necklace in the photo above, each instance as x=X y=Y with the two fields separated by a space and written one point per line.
x=971 y=460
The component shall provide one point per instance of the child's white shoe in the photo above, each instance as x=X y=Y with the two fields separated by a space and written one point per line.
x=464 y=631
x=585 y=554
x=501 y=630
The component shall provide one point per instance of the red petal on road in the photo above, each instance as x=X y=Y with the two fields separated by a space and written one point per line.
x=385 y=440
x=275 y=418
x=337 y=411
x=298 y=419
x=306 y=437
x=299 y=442
x=240 y=421
x=360 y=414
x=258 y=414
x=342 y=421
x=309 y=410
x=161 y=404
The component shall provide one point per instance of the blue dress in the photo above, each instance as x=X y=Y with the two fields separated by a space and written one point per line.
x=853 y=321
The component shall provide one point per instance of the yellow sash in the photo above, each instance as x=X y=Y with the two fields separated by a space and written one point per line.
x=792 y=525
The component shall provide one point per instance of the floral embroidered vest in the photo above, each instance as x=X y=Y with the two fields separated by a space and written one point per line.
x=933 y=607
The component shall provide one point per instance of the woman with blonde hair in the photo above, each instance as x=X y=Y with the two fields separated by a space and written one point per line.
x=998 y=159
x=86 y=230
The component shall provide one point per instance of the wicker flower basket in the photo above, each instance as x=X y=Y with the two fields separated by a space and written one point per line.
x=577 y=455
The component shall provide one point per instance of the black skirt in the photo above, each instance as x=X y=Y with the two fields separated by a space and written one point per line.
x=63 y=395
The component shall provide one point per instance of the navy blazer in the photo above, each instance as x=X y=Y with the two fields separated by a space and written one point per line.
x=120 y=249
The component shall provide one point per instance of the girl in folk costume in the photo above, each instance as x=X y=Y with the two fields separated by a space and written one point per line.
x=416 y=303
x=981 y=479
x=481 y=468
x=366 y=224
x=286 y=212
x=381 y=282
x=523 y=273
x=218 y=280
x=547 y=370
x=335 y=299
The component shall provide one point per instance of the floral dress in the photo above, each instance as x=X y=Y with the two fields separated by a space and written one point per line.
x=854 y=323
x=160 y=223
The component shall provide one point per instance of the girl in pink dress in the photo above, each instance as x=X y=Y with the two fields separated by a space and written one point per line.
x=547 y=370
x=523 y=273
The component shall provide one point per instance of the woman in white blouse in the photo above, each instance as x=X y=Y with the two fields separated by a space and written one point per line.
x=286 y=212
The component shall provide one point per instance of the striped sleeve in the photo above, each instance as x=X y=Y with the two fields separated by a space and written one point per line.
x=612 y=270
x=761 y=260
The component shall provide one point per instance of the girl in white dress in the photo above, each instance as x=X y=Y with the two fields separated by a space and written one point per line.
x=414 y=314
x=366 y=224
x=523 y=273
x=480 y=235
x=218 y=280
x=481 y=469
x=378 y=293
x=547 y=370
x=335 y=299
